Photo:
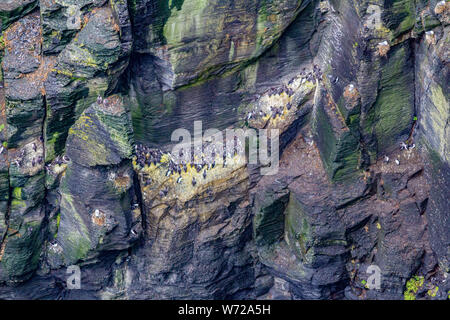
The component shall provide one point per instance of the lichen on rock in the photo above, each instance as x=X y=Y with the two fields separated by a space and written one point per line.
x=99 y=152
x=356 y=92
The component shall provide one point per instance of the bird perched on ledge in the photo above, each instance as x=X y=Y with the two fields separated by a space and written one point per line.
x=403 y=146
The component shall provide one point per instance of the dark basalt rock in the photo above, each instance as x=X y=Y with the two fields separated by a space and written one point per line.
x=23 y=219
x=88 y=66
x=91 y=91
x=61 y=21
x=12 y=10
x=97 y=214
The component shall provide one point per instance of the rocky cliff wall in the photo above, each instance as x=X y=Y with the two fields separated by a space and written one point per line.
x=92 y=90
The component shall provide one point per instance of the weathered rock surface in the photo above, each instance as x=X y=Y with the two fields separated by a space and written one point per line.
x=97 y=206
x=24 y=72
x=191 y=39
x=92 y=90
x=88 y=67
x=194 y=216
x=11 y=10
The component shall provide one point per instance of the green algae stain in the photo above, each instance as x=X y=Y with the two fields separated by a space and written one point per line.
x=439 y=100
x=17 y=193
x=176 y=4
x=119 y=129
x=164 y=12
x=74 y=235
x=435 y=121
x=394 y=107
x=406 y=11
x=186 y=19
x=299 y=230
x=50 y=147
x=269 y=23
x=137 y=120
x=80 y=246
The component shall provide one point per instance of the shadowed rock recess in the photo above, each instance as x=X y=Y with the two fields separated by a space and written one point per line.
x=91 y=91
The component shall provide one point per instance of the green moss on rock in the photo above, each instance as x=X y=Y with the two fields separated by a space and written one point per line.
x=394 y=107
x=11 y=11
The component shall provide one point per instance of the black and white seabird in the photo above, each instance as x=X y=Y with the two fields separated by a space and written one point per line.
x=403 y=146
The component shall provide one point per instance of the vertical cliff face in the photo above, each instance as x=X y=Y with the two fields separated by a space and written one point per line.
x=92 y=90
